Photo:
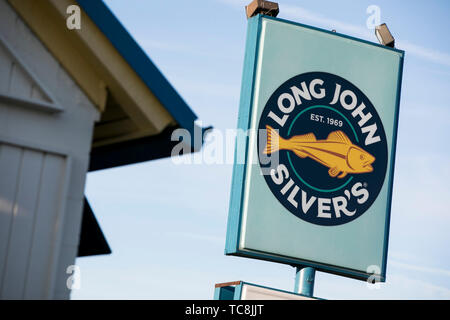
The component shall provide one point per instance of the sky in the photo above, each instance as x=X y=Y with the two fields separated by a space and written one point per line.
x=166 y=222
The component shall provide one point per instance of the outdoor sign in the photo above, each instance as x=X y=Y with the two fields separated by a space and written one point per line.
x=240 y=290
x=312 y=179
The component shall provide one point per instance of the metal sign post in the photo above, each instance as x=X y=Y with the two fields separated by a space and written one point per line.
x=304 y=281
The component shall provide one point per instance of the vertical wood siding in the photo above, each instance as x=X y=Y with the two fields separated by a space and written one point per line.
x=15 y=80
x=30 y=210
x=43 y=163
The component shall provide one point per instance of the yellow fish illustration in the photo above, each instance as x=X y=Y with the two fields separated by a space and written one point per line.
x=337 y=152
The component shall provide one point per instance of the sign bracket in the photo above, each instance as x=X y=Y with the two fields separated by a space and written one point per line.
x=304 y=280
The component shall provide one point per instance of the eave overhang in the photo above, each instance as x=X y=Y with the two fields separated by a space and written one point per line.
x=135 y=99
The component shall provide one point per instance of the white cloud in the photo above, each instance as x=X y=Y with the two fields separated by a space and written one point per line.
x=210 y=89
x=425 y=53
x=431 y=173
x=422 y=269
x=404 y=287
x=303 y=15
x=235 y=3
x=150 y=45
x=397 y=286
x=197 y=236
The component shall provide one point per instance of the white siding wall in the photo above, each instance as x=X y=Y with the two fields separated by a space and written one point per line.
x=31 y=213
x=46 y=125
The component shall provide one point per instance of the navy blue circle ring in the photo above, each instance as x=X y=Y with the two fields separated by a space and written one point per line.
x=322 y=148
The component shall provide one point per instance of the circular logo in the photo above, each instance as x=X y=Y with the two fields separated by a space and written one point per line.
x=322 y=148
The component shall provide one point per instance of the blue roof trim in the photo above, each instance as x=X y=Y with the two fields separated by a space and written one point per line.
x=140 y=62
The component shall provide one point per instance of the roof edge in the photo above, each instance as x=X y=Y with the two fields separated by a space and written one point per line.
x=139 y=61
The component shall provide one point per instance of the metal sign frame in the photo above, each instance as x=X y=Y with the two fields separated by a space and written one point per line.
x=241 y=290
x=234 y=230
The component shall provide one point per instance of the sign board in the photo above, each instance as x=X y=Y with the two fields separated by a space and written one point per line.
x=312 y=179
x=240 y=290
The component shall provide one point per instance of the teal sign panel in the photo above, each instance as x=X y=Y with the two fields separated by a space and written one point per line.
x=313 y=173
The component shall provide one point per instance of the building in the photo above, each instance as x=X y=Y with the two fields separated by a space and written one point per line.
x=71 y=101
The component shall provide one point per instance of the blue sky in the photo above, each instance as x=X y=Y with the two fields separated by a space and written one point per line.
x=166 y=223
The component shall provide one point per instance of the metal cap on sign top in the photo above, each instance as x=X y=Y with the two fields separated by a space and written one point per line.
x=384 y=36
x=268 y=8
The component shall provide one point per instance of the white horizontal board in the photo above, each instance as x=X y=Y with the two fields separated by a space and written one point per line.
x=252 y=292
x=47 y=228
x=10 y=159
x=20 y=233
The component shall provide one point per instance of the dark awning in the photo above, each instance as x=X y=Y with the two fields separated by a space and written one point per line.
x=92 y=240
x=138 y=150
